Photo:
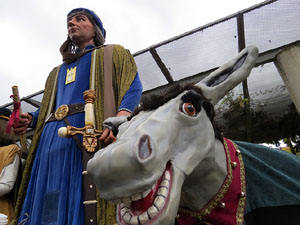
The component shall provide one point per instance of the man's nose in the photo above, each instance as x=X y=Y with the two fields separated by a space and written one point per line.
x=71 y=22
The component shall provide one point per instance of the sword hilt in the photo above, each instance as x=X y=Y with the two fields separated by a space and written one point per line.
x=88 y=132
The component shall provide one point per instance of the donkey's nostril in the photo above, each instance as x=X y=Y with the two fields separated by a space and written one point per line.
x=145 y=149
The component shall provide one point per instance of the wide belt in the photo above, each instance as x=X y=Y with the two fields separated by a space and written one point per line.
x=65 y=110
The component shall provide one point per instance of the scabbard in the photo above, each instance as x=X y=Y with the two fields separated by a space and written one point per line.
x=88 y=186
x=89 y=192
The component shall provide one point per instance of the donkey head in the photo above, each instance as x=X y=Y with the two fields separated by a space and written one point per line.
x=145 y=169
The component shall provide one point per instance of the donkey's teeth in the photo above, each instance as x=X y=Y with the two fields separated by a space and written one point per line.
x=126 y=200
x=134 y=220
x=165 y=183
x=167 y=175
x=159 y=202
x=123 y=211
x=126 y=205
x=152 y=211
x=143 y=218
x=145 y=193
x=162 y=191
x=136 y=196
x=127 y=217
x=153 y=186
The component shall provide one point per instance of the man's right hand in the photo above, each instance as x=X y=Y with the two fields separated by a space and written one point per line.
x=20 y=128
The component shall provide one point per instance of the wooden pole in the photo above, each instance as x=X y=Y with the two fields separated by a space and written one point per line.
x=16 y=99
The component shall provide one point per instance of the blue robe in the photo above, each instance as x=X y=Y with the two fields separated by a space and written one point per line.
x=54 y=194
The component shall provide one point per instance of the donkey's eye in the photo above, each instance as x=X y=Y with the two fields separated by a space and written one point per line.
x=188 y=109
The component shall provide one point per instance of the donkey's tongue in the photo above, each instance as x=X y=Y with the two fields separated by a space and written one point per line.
x=142 y=205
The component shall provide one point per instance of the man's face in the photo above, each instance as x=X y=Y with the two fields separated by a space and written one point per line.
x=81 y=30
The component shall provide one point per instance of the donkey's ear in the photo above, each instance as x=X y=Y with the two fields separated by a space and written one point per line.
x=216 y=85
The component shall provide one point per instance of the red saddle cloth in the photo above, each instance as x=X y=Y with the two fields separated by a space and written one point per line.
x=228 y=205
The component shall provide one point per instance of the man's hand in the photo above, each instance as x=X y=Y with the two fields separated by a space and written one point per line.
x=107 y=136
x=111 y=125
x=20 y=128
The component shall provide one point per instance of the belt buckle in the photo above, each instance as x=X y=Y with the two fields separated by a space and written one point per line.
x=61 y=112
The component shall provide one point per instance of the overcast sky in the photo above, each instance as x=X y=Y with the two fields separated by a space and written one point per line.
x=33 y=30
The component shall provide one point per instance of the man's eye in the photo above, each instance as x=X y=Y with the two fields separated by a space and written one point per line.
x=188 y=109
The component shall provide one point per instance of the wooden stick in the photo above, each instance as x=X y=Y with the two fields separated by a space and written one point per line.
x=16 y=99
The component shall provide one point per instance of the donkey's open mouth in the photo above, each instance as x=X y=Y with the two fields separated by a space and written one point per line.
x=142 y=208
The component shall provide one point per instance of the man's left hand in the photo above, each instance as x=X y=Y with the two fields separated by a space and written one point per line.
x=112 y=123
x=107 y=136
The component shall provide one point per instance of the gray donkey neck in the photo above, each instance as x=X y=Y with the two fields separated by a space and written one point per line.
x=207 y=178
